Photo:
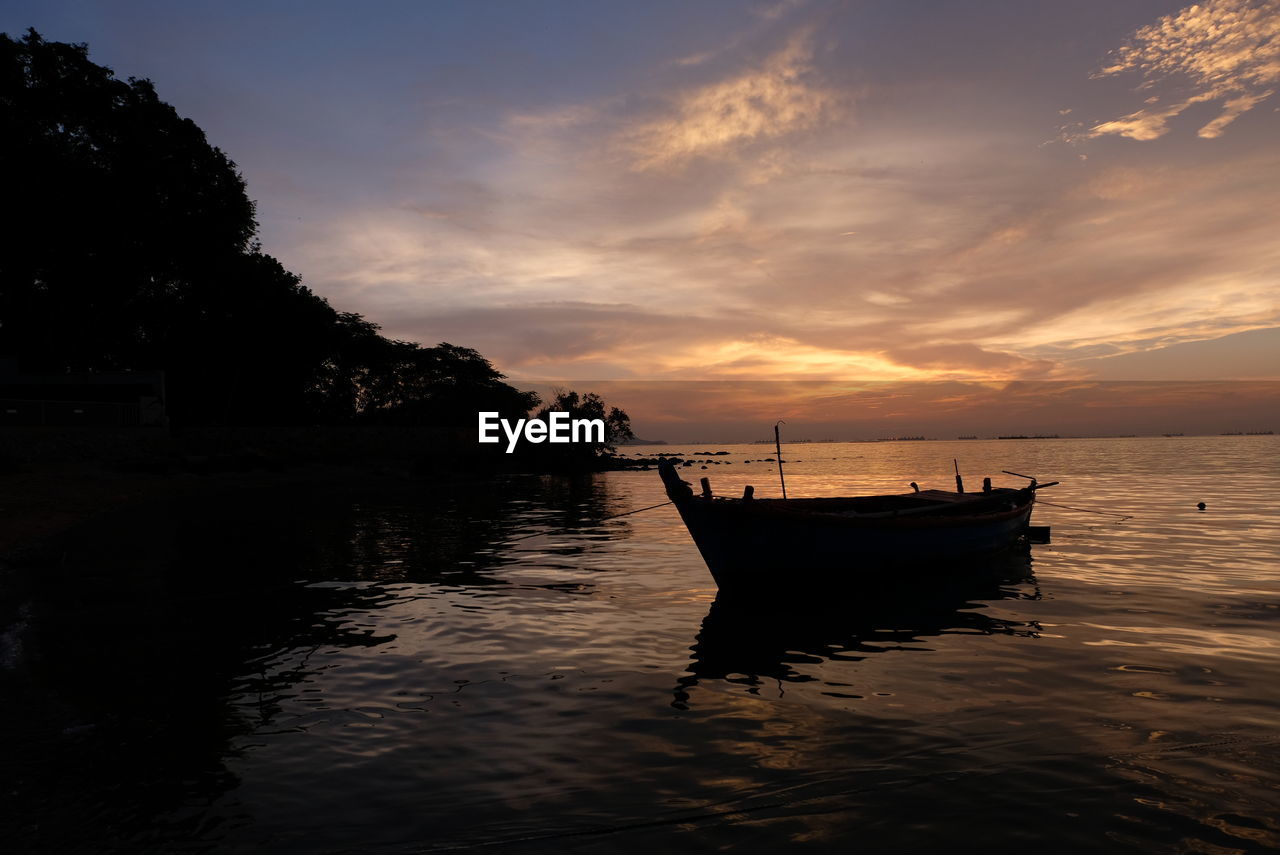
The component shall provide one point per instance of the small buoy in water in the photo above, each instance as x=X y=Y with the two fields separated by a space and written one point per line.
x=1200 y=505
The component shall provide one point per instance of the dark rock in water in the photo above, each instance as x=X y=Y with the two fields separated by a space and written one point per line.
x=1201 y=505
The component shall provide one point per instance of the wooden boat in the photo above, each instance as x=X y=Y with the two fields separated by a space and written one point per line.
x=758 y=544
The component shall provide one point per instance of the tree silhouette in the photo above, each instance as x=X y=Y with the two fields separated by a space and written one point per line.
x=375 y=380
x=118 y=209
x=130 y=243
x=617 y=428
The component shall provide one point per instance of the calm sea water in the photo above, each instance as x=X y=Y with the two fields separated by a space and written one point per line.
x=329 y=671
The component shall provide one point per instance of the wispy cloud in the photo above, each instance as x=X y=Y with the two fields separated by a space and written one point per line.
x=781 y=97
x=1225 y=51
x=769 y=189
x=736 y=217
x=625 y=275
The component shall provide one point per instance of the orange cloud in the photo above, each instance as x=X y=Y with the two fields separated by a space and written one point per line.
x=1220 y=50
x=728 y=218
x=760 y=104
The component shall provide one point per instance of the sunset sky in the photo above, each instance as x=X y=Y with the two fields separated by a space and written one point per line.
x=901 y=190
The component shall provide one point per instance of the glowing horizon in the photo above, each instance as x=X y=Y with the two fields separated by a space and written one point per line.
x=745 y=410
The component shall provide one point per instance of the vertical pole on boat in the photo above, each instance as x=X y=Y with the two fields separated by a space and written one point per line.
x=777 y=443
x=959 y=482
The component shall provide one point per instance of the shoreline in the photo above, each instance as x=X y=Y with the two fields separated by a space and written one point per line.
x=40 y=504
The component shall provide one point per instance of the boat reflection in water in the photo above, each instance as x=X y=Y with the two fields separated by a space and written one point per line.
x=748 y=643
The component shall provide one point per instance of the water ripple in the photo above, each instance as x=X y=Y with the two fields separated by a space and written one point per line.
x=391 y=674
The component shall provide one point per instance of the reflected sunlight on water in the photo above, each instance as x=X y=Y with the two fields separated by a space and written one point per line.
x=401 y=673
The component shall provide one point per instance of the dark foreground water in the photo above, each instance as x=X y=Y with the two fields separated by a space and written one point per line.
x=351 y=672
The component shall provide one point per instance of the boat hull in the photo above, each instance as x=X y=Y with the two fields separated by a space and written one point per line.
x=763 y=544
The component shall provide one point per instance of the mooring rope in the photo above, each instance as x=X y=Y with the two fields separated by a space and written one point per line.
x=565 y=528
x=1122 y=517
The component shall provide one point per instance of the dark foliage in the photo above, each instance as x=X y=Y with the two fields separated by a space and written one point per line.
x=372 y=379
x=129 y=243
x=617 y=428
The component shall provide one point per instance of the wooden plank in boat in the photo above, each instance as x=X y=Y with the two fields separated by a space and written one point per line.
x=945 y=496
